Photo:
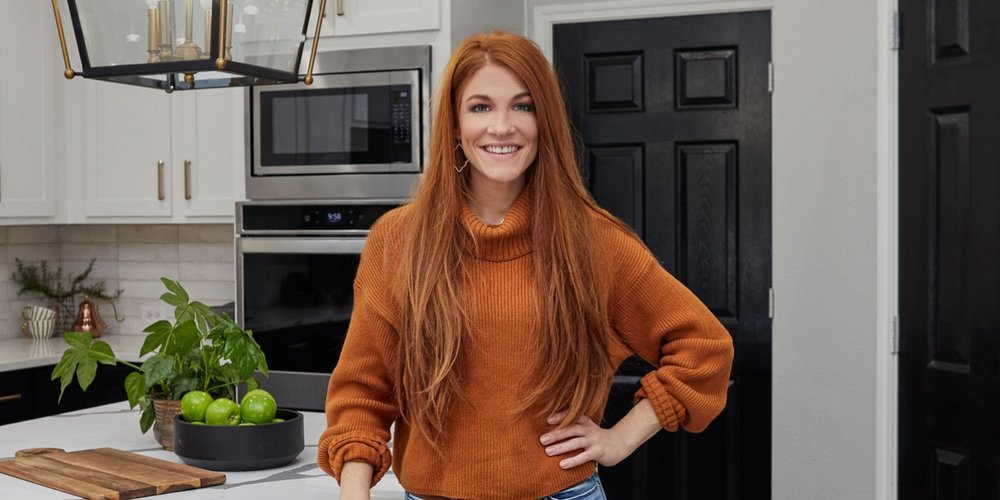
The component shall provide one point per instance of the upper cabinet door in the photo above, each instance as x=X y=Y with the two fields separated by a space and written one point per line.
x=127 y=151
x=208 y=152
x=366 y=17
x=27 y=111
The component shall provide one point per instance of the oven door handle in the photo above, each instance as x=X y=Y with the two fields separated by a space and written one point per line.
x=301 y=245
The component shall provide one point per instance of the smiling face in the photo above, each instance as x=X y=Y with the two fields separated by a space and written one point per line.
x=498 y=129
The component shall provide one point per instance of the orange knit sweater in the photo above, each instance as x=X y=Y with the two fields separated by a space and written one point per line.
x=491 y=452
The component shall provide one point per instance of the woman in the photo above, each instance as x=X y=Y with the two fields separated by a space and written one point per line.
x=491 y=312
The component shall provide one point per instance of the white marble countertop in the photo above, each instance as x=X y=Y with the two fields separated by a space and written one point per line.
x=24 y=352
x=116 y=426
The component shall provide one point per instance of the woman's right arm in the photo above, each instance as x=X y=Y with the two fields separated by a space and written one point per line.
x=360 y=402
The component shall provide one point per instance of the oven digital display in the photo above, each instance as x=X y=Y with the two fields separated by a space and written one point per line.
x=314 y=217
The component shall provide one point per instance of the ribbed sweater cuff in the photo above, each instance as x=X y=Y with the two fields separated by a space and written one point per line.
x=354 y=448
x=668 y=409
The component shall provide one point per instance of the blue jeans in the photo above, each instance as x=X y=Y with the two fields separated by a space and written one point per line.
x=588 y=489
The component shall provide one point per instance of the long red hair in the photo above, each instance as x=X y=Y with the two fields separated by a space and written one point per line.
x=572 y=369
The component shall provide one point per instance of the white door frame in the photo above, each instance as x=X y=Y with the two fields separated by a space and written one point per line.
x=544 y=17
x=608 y=10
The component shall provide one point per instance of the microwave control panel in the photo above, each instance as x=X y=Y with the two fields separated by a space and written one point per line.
x=402 y=132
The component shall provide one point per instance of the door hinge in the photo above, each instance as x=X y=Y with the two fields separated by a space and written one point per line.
x=895 y=335
x=770 y=303
x=770 y=77
x=897 y=31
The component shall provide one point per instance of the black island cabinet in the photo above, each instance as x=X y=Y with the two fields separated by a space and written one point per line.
x=31 y=393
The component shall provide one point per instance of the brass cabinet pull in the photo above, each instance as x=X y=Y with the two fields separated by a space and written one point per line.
x=340 y=7
x=10 y=398
x=187 y=179
x=159 y=181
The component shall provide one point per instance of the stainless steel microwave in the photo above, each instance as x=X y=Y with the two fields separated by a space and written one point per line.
x=359 y=130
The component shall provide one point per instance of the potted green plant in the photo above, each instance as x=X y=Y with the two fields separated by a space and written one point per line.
x=200 y=350
x=58 y=287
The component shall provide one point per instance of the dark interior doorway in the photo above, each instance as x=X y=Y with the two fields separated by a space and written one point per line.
x=675 y=119
x=949 y=250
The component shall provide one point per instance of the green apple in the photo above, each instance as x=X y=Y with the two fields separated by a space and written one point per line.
x=258 y=408
x=193 y=406
x=222 y=411
x=261 y=392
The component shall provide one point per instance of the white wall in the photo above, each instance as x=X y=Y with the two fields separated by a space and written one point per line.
x=832 y=257
x=826 y=257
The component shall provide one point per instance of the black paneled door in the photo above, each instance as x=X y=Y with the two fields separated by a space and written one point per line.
x=949 y=250
x=675 y=118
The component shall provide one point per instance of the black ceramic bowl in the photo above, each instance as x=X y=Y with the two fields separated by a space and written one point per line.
x=243 y=447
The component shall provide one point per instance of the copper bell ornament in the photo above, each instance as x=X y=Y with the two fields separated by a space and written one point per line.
x=88 y=317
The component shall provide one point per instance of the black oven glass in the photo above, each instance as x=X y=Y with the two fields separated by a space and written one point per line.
x=298 y=307
x=342 y=125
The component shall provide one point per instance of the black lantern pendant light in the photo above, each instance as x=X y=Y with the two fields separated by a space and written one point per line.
x=188 y=44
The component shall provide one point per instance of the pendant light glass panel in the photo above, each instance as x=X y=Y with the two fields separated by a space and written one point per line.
x=158 y=42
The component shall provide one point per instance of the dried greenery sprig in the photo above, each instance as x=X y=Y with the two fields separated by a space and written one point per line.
x=41 y=279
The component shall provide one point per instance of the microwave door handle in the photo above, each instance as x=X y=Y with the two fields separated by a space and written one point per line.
x=301 y=245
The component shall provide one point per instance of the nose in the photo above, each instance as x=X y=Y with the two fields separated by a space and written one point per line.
x=502 y=125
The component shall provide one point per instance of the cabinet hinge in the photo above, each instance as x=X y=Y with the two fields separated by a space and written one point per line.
x=770 y=303
x=895 y=334
x=770 y=77
x=897 y=31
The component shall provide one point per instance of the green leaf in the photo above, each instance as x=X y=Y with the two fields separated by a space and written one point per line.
x=78 y=339
x=183 y=339
x=86 y=372
x=252 y=384
x=64 y=371
x=182 y=385
x=157 y=368
x=147 y=418
x=177 y=295
x=262 y=364
x=158 y=332
x=241 y=354
x=102 y=353
x=135 y=388
x=80 y=359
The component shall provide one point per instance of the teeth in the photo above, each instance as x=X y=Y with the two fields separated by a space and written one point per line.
x=501 y=149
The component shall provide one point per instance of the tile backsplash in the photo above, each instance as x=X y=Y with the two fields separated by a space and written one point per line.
x=129 y=257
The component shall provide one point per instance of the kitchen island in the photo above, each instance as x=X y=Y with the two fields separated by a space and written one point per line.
x=116 y=426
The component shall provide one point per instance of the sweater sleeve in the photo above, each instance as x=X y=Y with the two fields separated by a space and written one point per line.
x=360 y=401
x=660 y=320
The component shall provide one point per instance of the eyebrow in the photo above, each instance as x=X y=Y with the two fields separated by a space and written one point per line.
x=488 y=98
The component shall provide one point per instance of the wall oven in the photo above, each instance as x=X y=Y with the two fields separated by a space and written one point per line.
x=295 y=268
x=358 y=128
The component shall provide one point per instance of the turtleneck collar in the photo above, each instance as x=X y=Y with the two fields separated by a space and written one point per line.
x=506 y=241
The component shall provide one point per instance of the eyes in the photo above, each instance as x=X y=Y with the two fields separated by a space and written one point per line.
x=526 y=107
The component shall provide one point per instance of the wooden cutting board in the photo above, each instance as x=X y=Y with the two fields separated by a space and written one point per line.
x=106 y=473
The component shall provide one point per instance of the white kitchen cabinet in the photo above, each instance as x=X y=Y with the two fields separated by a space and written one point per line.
x=209 y=150
x=161 y=157
x=27 y=112
x=367 y=17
